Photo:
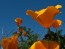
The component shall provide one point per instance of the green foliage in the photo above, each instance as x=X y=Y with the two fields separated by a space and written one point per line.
x=56 y=36
x=26 y=41
x=31 y=38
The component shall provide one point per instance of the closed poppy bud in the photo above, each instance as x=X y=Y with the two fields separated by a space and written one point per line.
x=24 y=33
x=56 y=23
x=18 y=21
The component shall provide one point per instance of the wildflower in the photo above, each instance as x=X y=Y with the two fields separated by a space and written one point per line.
x=10 y=43
x=45 y=45
x=45 y=16
x=4 y=43
x=13 y=42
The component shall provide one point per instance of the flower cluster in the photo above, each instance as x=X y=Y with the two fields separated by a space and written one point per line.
x=44 y=17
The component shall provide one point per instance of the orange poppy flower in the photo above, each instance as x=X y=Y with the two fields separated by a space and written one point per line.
x=56 y=23
x=18 y=21
x=53 y=45
x=13 y=42
x=45 y=16
x=4 y=43
x=45 y=45
x=10 y=43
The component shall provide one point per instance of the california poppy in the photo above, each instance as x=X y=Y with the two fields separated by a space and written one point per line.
x=10 y=43
x=45 y=16
x=45 y=45
x=5 y=43
x=13 y=42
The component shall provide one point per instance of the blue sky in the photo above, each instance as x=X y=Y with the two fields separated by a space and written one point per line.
x=11 y=9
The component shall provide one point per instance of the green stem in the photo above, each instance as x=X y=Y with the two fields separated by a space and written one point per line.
x=57 y=34
x=56 y=30
x=49 y=32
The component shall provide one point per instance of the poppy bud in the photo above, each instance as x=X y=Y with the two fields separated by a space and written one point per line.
x=56 y=23
x=18 y=21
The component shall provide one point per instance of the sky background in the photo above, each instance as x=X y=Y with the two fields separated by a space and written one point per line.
x=11 y=9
